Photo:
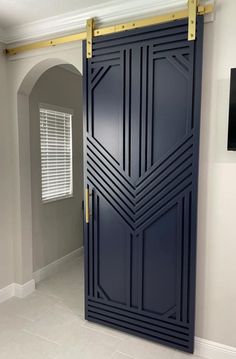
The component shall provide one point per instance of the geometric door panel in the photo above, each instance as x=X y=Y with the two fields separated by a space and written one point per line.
x=142 y=91
x=160 y=251
x=111 y=115
x=170 y=86
x=111 y=254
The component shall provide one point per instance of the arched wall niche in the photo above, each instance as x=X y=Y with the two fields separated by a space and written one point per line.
x=23 y=240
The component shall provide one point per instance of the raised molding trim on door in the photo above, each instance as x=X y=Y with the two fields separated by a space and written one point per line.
x=105 y=13
x=212 y=350
x=53 y=267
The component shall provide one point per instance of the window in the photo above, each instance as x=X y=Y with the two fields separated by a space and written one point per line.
x=56 y=153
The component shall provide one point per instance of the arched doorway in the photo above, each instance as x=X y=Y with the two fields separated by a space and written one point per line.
x=24 y=246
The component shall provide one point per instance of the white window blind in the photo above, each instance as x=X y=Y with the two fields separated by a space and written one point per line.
x=56 y=154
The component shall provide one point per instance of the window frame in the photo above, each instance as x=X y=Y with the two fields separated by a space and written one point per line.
x=68 y=111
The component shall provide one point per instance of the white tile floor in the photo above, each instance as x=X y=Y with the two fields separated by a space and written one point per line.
x=50 y=324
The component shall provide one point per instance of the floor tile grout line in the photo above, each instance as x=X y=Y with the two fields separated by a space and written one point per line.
x=120 y=352
x=25 y=318
x=101 y=331
x=41 y=337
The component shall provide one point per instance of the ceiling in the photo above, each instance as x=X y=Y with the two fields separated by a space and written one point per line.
x=33 y=20
x=14 y=13
x=19 y=12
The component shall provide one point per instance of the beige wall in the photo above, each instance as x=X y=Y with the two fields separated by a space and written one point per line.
x=7 y=220
x=57 y=226
x=22 y=72
x=216 y=271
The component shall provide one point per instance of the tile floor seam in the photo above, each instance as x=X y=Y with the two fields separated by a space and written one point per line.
x=25 y=318
x=40 y=336
x=127 y=355
x=43 y=337
x=100 y=331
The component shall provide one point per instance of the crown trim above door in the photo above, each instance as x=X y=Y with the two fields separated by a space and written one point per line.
x=105 y=13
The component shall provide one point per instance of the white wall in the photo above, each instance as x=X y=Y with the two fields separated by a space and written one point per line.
x=57 y=227
x=216 y=276
x=7 y=220
x=216 y=272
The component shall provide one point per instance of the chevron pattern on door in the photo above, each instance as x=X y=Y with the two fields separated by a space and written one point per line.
x=142 y=108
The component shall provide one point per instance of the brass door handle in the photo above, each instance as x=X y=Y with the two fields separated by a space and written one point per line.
x=87 y=205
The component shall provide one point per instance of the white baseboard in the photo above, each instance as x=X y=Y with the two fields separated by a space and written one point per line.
x=21 y=291
x=17 y=290
x=51 y=268
x=7 y=292
x=212 y=350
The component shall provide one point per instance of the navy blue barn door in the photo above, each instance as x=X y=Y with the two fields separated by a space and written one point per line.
x=142 y=113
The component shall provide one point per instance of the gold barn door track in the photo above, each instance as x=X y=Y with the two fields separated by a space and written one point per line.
x=191 y=12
